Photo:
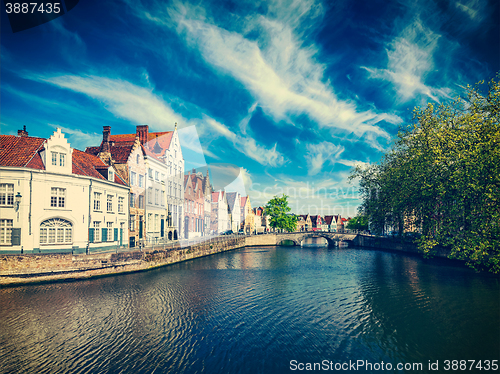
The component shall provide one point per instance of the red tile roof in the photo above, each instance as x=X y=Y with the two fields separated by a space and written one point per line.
x=19 y=151
x=328 y=220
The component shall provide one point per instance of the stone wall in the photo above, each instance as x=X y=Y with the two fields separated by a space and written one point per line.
x=19 y=269
x=393 y=244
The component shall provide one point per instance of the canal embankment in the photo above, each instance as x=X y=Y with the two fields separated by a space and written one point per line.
x=42 y=268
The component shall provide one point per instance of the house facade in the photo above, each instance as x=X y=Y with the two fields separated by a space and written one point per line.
x=219 y=219
x=56 y=199
x=234 y=205
x=247 y=215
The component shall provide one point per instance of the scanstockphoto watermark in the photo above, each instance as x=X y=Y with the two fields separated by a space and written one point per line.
x=309 y=191
x=354 y=365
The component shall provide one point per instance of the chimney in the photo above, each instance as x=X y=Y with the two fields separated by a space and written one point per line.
x=22 y=132
x=142 y=132
x=106 y=134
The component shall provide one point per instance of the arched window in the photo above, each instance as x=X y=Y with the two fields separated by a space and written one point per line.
x=56 y=231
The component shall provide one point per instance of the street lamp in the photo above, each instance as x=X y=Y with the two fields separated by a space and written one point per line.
x=17 y=201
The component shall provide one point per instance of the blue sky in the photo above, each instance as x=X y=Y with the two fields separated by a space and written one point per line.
x=295 y=93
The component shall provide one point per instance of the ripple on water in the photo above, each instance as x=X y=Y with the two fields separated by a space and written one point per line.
x=252 y=311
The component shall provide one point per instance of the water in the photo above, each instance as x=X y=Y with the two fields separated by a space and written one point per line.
x=255 y=310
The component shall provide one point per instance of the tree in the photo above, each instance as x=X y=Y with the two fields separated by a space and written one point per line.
x=277 y=210
x=358 y=223
x=442 y=178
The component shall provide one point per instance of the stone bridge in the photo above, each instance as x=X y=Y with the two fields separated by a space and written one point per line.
x=297 y=237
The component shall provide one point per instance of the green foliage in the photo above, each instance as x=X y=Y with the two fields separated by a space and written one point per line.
x=277 y=210
x=358 y=223
x=442 y=178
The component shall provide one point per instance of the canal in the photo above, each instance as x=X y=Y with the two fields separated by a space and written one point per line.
x=258 y=310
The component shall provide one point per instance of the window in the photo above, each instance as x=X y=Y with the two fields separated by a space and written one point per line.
x=141 y=201
x=6 y=194
x=110 y=203
x=110 y=231
x=57 y=197
x=97 y=201
x=132 y=200
x=156 y=222
x=6 y=231
x=138 y=159
x=162 y=178
x=111 y=176
x=56 y=231
x=162 y=198
x=141 y=180
x=157 y=196
x=61 y=157
x=150 y=173
x=150 y=220
x=157 y=175
x=97 y=231
x=121 y=202
x=132 y=178
x=150 y=195
x=132 y=222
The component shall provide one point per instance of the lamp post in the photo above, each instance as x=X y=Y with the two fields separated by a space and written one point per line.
x=17 y=201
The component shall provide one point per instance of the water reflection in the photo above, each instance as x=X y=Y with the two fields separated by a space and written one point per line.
x=252 y=311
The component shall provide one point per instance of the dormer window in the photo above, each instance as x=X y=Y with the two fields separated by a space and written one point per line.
x=111 y=176
x=56 y=156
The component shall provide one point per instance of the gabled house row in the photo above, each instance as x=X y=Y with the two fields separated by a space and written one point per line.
x=153 y=166
x=330 y=223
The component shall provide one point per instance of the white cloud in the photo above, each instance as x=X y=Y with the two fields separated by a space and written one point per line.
x=247 y=145
x=275 y=63
x=410 y=59
x=122 y=98
x=319 y=154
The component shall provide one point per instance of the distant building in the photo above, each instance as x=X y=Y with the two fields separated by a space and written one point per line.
x=247 y=216
x=54 y=198
x=219 y=219
x=234 y=205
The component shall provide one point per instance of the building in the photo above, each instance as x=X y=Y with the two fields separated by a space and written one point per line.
x=307 y=225
x=219 y=219
x=234 y=205
x=128 y=160
x=329 y=224
x=317 y=223
x=57 y=199
x=247 y=215
x=162 y=172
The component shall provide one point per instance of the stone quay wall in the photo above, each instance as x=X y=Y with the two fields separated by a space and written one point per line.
x=394 y=244
x=41 y=268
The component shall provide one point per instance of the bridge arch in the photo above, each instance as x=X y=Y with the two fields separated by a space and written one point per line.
x=329 y=240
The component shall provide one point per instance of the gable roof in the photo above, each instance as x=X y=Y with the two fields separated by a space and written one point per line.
x=328 y=220
x=231 y=199
x=21 y=151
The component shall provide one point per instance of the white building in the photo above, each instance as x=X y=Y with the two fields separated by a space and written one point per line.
x=234 y=204
x=54 y=198
x=219 y=219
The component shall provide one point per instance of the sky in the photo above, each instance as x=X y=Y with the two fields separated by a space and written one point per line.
x=288 y=95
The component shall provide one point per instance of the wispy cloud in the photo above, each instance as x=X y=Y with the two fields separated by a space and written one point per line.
x=319 y=154
x=120 y=97
x=277 y=65
x=409 y=60
x=247 y=145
